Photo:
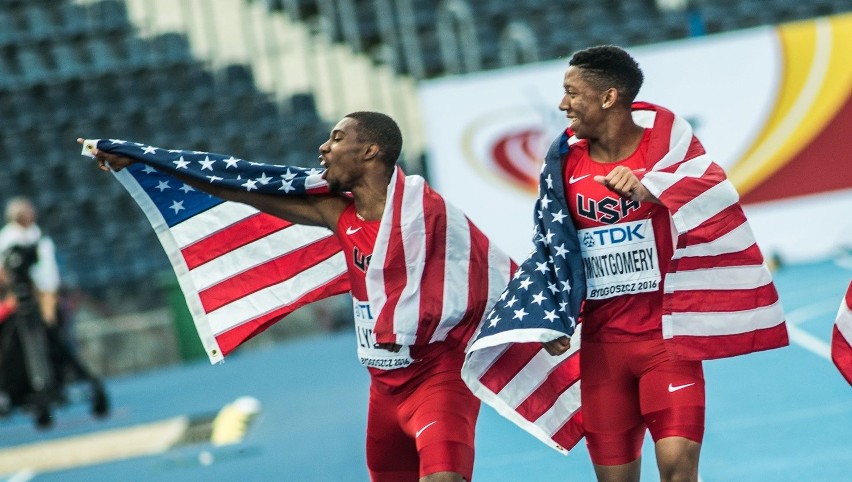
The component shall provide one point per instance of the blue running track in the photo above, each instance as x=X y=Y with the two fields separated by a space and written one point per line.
x=778 y=416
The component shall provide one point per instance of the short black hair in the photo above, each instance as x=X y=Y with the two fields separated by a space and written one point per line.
x=382 y=130
x=608 y=66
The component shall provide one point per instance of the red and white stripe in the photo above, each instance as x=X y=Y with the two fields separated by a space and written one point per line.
x=720 y=300
x=427 y=256
x=841 y=337
x=538 y=392
x=241 y=270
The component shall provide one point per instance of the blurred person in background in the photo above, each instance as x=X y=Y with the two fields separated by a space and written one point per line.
x=21 y=229
x=421 y=416
x=34 y=322
x=691 y=284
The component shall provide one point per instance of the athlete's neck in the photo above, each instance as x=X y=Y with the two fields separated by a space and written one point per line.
x=370 y=197
x=617 y=143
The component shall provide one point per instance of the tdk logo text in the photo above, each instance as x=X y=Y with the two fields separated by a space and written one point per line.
x=614 y=235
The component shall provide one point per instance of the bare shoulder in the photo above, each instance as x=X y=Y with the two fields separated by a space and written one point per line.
x=312 y=210
x=330 y=207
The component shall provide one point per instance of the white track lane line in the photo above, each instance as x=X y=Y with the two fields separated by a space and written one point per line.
x=804 y=339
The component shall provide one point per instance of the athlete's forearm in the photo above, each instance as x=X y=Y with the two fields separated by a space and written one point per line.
x=308 y=210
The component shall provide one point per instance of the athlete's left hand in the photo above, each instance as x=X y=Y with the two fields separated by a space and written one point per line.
x=623 y=181
x=558 y=346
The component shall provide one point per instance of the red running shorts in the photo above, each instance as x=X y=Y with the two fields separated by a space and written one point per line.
x=423 y=431
x=630 y=386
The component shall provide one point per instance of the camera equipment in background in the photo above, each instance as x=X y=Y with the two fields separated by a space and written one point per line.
x=35 y=357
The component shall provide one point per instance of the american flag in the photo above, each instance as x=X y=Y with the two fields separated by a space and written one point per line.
x=841 y=337
x=506 y=365
x=240 y=270
x=432 y=277
x=719 y=298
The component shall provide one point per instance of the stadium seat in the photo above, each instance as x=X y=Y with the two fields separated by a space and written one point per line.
x=103 y=56
x=828 y=7
x=39 y=21
x=27 y=105
x=135 y=53
x=368 y=24
x=32 y=66
x=8 y=29
x=171 y=49
x=68 y=61
x=110 y=15
x=9 y=80
x=239 y=79
x=304 y=107
x=197 y=84
x=72 y=19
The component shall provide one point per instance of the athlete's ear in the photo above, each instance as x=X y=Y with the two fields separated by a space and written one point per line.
x=371 y=151
x=610 y=96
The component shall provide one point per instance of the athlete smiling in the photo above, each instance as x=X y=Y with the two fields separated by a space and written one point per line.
x=645 y=330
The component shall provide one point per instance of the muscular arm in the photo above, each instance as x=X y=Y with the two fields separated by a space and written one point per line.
x=315 y=210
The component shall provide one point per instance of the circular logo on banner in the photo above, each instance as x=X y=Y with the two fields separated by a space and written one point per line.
x=518 y=156
x=508 y=147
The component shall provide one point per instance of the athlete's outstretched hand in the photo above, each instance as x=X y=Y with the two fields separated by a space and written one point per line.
x=107 y=161
x=558 y=346
x=623 y=181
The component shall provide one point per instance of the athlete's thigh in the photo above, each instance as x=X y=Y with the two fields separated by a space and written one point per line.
x=610 y=399
x=441 y=418
x=610 y=392
x=391 y=453
x=672 y=396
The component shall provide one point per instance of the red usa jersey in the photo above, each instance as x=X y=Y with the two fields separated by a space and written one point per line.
x=390 y=371
x=626 y=247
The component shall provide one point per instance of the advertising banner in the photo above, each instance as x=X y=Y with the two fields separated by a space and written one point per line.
x=772 y=105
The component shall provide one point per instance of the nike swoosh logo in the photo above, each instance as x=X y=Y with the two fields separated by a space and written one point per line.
x=674 y=388
x=424 y=428
x=573 y=179
x=351 y=231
